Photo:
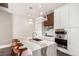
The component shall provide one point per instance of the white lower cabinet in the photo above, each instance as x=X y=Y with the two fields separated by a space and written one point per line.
x=73 y=42
x=73 y=45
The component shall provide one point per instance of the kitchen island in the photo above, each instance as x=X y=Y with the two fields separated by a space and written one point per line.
x=41 y=48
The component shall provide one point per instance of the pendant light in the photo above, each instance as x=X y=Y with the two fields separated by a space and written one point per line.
x=30 y=21
x=30 y=15
x=42 y=17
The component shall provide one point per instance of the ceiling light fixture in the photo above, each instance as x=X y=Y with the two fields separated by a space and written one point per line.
x=30 y=21
x=41 y=13
x=40 y=6
x=42 y=17
x=30 y=15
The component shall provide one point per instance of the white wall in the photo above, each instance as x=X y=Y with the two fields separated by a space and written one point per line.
x=5 y=27
x=21 y=27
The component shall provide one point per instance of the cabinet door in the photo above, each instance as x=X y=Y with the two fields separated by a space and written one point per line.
x=64 y=16
x=57 y=18
x=50 y=20
x=61 y=17
x=74 y=15
x=73 y=42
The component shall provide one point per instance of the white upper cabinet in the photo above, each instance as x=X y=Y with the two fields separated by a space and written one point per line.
x=64 y=16
x=57 y=18
x=61 y=17
x=74 y=15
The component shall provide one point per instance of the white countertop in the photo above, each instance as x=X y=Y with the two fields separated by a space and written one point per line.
x=35 y=45
x=49 y=38
x=32 y=45
x=5 y=46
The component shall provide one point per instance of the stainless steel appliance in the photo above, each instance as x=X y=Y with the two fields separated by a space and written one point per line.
x=61 y=38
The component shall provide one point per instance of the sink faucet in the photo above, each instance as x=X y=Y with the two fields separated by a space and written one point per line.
x=34 y=34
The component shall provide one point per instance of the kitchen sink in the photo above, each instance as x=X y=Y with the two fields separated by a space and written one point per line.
x=36 y=39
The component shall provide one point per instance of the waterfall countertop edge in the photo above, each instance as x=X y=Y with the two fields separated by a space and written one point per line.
x=5 y=46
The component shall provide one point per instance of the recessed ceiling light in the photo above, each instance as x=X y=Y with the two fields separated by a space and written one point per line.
x=29 y=15
x=40 y=6
x=41 y=13
x=30 y=21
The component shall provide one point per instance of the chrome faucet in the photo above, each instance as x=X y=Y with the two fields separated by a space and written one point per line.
x=34 y=34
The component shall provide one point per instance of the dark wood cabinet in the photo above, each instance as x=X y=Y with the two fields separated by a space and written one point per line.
x=50 y=20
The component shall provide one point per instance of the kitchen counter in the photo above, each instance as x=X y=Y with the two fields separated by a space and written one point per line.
x=51 y=39
x=5 y=46
x=30 y=45
x=43 y=43
x=38 y=47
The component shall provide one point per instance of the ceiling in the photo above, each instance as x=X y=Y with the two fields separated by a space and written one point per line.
x=32 y=10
